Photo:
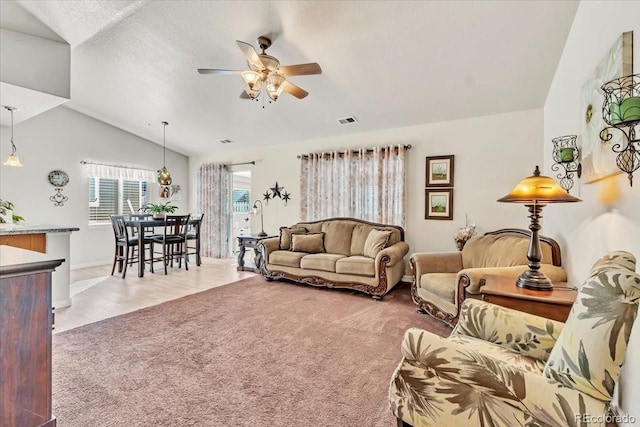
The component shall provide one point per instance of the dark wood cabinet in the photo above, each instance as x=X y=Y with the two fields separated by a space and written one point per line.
x=26 y=320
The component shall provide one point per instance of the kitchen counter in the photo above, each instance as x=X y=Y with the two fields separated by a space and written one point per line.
x=52 y=240
x=6 y=229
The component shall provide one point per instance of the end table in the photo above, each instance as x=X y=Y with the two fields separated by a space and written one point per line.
x=555 y=304
x=250 y=241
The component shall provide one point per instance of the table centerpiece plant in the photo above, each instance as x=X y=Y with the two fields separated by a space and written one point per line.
x=160 y=210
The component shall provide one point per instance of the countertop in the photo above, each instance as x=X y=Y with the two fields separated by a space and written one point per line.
x=6 y=229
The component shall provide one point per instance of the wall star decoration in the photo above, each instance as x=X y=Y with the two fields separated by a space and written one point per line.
x=286 y=196
x=266 y=196
x=276 y=191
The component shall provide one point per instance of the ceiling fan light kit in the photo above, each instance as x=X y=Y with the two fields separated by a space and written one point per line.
x=265 y=70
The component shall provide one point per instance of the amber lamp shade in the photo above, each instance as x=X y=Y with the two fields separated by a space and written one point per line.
x=535 y=192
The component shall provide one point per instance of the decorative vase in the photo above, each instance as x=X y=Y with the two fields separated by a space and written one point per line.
x=159 y=215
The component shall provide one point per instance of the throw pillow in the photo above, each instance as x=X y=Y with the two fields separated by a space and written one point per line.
x=592 y=345
x=286 y=233
x=309 y=243
x=376 y=241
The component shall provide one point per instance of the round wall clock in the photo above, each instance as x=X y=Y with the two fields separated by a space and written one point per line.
x=58 y=178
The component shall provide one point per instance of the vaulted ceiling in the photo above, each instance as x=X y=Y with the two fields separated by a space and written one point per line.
x=388 y=63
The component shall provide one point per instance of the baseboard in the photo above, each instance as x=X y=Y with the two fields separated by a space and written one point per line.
x=62 y=303
x=406 y=279
x=91 y=264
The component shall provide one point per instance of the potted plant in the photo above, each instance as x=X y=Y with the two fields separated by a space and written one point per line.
x=6 y=213
x=160 y=210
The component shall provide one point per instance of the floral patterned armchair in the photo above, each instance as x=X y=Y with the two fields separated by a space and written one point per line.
x=504 y=368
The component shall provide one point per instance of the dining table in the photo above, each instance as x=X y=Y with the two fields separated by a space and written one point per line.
x=140 y=225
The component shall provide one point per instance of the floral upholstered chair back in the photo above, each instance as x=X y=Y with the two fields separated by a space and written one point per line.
x=591 y=348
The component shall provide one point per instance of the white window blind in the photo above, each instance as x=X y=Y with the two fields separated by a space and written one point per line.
x=112 y=188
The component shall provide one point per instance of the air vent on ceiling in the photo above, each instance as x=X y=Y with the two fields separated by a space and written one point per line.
x=226 y=141
x=348 y=120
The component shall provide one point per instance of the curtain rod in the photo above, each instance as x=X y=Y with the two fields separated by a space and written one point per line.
x=84 y=162
x=245 y=163
x=342 y=153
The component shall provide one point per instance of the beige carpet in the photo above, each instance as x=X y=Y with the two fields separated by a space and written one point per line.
x=251 y=353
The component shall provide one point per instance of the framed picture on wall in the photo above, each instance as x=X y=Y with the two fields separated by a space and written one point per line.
x=438 y=203
x=439 y=171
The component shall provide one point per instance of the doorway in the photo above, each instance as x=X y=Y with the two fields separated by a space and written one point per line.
x=240 y=206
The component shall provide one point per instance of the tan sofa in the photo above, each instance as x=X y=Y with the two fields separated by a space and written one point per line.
x=355 y=254
x=442 y=280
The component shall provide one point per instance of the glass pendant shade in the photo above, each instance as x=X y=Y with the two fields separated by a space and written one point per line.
x=253 y=83
x=274 y=85
x=164 y=177
x=13 y=159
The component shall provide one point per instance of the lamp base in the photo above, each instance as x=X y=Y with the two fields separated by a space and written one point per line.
x=535 y=280
x=262 y=234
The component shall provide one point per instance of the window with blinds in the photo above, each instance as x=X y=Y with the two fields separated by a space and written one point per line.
x=109 y=197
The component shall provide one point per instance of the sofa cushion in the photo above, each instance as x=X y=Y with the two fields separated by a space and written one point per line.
x=286 y=233
x=312 y=227
x=359 y=237
x=324 y=262
x=592 y=346
x=376 y=241
x=338 y=236
x=356 y=264
x=440 y=284
x=286 y=258
x=311 y=243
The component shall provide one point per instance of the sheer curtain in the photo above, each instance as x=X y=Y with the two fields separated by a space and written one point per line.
x=213 y=201
x=363 y=184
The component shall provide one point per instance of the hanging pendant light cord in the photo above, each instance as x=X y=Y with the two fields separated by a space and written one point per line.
x=13 y=146
x=164 y=144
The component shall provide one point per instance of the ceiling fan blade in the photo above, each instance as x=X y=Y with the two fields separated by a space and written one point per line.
x=294 y=90
x=301 y=69
x=217 y=71
x=252 y=56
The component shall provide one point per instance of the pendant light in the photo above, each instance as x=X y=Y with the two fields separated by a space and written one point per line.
x=13 y=159
x=164 y=177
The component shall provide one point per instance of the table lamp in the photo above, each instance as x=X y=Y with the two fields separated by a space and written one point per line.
x=255 y=211
x=535 y=192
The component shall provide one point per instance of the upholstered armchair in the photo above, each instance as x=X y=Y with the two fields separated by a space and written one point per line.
x=442 y=280
x=504 y=368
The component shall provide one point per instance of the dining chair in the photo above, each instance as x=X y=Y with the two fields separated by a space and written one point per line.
x=173 y=241
x=193 y=235
x=125 y=245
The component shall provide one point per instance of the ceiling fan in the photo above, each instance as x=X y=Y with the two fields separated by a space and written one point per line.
x=267 y=71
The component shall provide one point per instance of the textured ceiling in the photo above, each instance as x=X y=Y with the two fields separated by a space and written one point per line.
x=389 y=63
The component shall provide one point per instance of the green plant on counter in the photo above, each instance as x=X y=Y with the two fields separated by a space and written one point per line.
x=160 y=207
x=5 y=206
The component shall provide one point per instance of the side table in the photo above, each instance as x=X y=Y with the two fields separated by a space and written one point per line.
x=555 y=304
x=250 y=241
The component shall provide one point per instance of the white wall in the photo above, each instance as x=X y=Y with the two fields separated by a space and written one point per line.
x=59 y=139
x=492 y=154
x=589 y=229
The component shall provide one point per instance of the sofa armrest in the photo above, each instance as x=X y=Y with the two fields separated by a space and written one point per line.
x=396 y=253
x=435 y=262
x=266 y=246
x=523 y=333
